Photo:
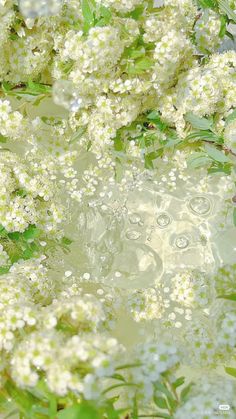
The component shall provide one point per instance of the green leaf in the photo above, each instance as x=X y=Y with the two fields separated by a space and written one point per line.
x=38 y=88
x=225 y=8
x=205 y=135
x=140 y=66
x=7 y=86
x=217 y=167
x=208 y=4
x=52 y=407
x=4 y=270
x=83 y=411
x=154 y=116
x=234 y=216
x=3 y=139
x=66 y=241
x=28 y=253
x=3 y=231
x=137 y=12
x=163 y=389
x=118 y=377
x=21 y=192
x=179 y=382
x=231 y=371
x=152 y=156
x=198 y=159
x=216 y=154
x=14 y=236
x=230 y=35
x=88 y=15
x=135 y=409
x=231 y=117
x=78 y=134
x=231 y=297
x=223 y=25
x=31 y=233
x=160 y=402
x=105 y=16
x=197 y=122
x=184 y=393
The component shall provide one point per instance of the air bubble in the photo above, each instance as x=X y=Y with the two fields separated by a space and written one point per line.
x=134 y=218
x=182 y=242
x=163 y=220
x=133 y=235
x=200 y=205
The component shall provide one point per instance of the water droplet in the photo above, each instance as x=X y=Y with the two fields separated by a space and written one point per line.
x=133 y=235
x=134 y=218
x=200 y=205
x=64 y=94
x=182 y=242
x=163 y=220
x=32 y=9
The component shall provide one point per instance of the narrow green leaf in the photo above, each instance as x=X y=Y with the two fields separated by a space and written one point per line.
x=78 y=134
x=160 y=402
x=230 y=35
x=184 y=393
x=231 y=297
x=223 y=25
x=66 y=241
x=197 y=122
x=216 y=154
x=38 y=88
x=231 y=371
x=198 y=160
x=179 y=382
x=205 y=135
x=163 y=389
x=118 y=377
x=135 y=409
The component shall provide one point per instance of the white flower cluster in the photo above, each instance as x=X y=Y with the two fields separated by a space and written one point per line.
x=155 y=358
x=122 y=6
x=62 y=360
x=227 y=330
x=225 y=279
x=207 y=29
x=11 y=123
x=207 y=397
x=133 y=264
x=27 y=196
x=190 y=289
x=146 y=304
